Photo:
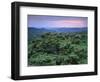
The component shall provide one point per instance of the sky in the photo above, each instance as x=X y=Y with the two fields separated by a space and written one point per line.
x=46 y=21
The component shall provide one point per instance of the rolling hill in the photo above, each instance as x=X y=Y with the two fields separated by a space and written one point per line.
x=36 y=32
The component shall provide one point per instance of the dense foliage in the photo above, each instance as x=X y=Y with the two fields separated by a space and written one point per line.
x=58 y=49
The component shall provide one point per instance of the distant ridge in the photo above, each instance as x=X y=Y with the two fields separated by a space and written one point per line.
x=62 y=29
x=35 y=32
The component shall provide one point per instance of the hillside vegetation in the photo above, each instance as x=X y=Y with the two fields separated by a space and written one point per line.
x=58 y=49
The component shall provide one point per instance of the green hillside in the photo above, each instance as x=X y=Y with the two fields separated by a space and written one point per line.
x=58 y=49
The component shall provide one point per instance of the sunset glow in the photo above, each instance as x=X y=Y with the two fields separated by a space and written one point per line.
x=40 y=21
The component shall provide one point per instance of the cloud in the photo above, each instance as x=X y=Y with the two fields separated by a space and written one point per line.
x=40 y=21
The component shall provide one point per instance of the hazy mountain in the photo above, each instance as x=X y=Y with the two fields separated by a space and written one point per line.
x=35 y=32
x=68 y=29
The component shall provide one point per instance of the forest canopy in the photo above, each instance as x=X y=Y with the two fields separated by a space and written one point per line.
x=52 y=48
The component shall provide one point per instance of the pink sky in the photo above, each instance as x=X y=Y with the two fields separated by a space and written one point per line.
x=69 y=23
x=44 y=21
